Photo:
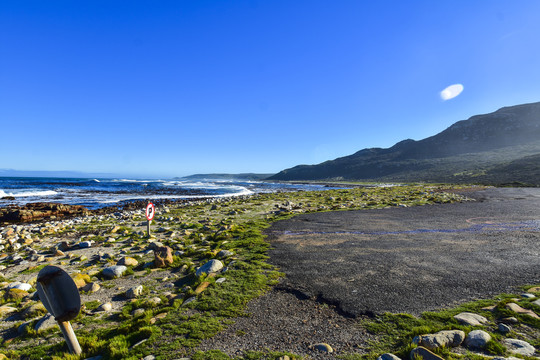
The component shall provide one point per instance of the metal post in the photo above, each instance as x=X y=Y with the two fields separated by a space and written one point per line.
x=148 y=227
x=71 y=339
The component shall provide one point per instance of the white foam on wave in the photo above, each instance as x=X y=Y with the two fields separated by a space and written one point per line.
x=137 y=181
x=117 y=198
x=28 y=193
x=95 y=180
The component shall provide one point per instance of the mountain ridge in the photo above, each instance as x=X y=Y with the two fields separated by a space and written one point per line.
x=483 y=143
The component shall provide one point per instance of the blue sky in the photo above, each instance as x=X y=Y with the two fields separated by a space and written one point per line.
x=170 y=88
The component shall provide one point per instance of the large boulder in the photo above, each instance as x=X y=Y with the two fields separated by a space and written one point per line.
x=163 y=256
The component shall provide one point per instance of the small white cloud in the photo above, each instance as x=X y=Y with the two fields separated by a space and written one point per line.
x=451 y=92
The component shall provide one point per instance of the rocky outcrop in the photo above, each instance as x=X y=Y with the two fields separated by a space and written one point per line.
x=38 y=211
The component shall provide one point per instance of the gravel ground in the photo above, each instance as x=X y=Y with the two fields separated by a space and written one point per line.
x=283 y=321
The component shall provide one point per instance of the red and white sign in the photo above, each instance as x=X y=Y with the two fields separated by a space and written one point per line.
x=150 y=211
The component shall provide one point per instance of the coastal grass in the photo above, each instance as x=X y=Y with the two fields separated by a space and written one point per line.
x=394 y=333
x=202 y=230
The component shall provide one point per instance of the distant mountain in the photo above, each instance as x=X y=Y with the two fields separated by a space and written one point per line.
x=244 y=176
x=496 y=148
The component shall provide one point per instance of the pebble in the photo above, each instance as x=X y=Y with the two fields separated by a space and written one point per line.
x=104 y=307
x=211 y=266
x=134 y=292
x=221 y=280
x=85 y=244
x=138 y=312
x=19 y=285
x=225 y=253
x=528 y=296
x=324 y=347
x=154 y=301
x=114 y=271
x=127 y=261
x=504 y=329
x=91 y=287
x=190 y=300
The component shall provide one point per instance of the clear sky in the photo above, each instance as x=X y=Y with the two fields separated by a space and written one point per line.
x=171 y=88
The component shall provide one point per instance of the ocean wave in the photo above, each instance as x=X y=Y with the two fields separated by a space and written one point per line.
x=137 y=181
x=28 y=193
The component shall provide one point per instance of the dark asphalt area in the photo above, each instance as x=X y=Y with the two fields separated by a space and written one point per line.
x=413 y=259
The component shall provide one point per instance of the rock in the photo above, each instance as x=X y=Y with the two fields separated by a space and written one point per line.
x=518 y=309
x=190 y=300
x=138 y=312
x=447 y=338
x=535 y=289
x=115 y=229
x=127 y=261
x=22 y=329
x=324 y=347
x=471 y=319
x=424 y=354
x=519 y=347
x=19 y=285
x=81 y=280
x=59 y=253
x=221 y=280
x=85 y=244
x=163 y=256
x=34 y=310
x=91 y=287
x=388 y=356
x=211 y=266
x=149 y=357
x=202 y=286
x=47 y=322
x=15 y=294
x=134 y=292
x=477 y=339
x=503 y=328
x=5 y=309
x=155 y=301
x=114 y=271
x=510 y=320
x=63 y=246
x=37 y=211
x=224 y=253
x=104 y=307
x=528 y=296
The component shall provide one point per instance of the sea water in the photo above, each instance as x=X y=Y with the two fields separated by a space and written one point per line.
x=101 y=192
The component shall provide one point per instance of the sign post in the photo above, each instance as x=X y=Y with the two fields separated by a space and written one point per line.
x=58 y=293
x=150 y=212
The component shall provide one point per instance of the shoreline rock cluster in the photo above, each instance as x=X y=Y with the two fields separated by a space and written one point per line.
x=40 y=211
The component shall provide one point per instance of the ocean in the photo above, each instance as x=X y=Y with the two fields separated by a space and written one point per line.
x=99 y=193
